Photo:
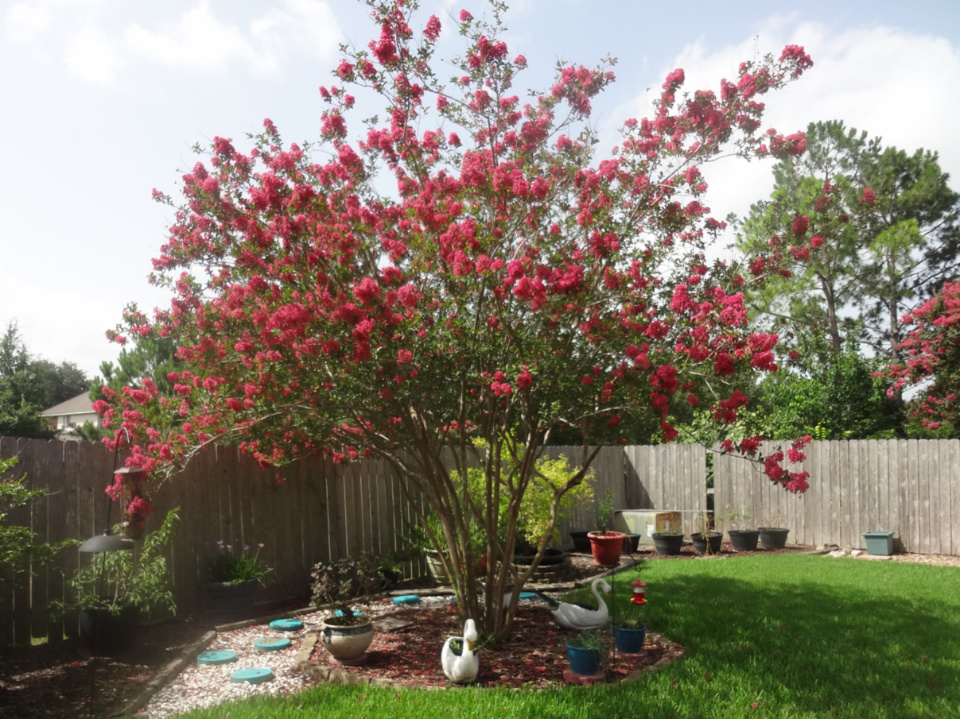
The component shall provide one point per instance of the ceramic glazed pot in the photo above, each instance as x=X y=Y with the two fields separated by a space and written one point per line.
x=629 y=640
x=583 y=660
x=606 y=547
x=347 y=643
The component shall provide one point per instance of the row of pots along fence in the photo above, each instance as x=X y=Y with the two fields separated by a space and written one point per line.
x=315 y=510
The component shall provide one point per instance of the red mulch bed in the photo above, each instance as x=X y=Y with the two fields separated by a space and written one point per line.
x=533 y=656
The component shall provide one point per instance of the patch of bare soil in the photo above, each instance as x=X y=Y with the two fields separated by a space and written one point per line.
x=57 y=682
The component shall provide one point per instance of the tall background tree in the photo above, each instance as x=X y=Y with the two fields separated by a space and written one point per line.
x=872 y=231
x=29 y=385
x=512 y=284
x=875 y=228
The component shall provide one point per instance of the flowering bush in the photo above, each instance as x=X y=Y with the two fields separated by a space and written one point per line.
x=510 y=286
x=234 y=566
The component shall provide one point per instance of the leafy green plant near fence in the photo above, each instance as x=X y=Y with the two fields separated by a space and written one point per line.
x=21 y=551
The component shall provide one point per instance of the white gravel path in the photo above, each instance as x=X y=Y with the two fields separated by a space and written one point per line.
x=207 y=685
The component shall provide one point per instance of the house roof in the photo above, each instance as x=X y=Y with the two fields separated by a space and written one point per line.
x=80 y=404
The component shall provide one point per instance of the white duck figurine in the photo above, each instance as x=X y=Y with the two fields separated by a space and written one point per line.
x=573 y=616
x=461 y=668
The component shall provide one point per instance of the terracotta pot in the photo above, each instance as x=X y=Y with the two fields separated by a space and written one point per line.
x=606 y=547
x=346 y=642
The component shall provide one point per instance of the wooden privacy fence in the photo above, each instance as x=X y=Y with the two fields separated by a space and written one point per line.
x=317 y=511
x=905 y=486
x=311 y=511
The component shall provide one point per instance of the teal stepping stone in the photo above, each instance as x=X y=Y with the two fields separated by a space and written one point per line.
x=253 y=676
x=527 y=595
x=286 y=625
x=339 y=613
x=271 y=644
x=217 y=657
x=407 y=599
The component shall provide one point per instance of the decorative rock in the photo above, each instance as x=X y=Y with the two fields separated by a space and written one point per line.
x=407 y=599
x=252 y=676
x=856 y=552
x=286 y=625
x=217 y=658
x=271 y=644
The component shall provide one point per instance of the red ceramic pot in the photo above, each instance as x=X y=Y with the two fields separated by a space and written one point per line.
x=606 y=546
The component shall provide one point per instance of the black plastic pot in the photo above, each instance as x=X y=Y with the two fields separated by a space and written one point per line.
x=581 y=543
x=232 y=601
x=668 y=543
x=551 y=556
x=709 y=544
x=107 y=634
x=773 y=537
x=744 y=540
x=631 y=544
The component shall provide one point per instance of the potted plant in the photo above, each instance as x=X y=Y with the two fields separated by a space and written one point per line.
x=586 y=652
x=345 y=633
x=115 y=588
x=669 y=542
x=772 y=535
x=606 y=545
x=629 y=634
x=233 y=575
x=706 y=540
x=743 y=540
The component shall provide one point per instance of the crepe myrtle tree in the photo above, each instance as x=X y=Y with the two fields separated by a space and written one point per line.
x=930 y=370
x=510 y=284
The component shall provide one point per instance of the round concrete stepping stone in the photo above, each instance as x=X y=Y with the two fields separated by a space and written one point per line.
x=271 y=644
x=407 y=599
x=286 y=625
x=253 y=676
x=223 y=657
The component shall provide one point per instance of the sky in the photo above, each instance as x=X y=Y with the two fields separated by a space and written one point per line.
x=103 y=100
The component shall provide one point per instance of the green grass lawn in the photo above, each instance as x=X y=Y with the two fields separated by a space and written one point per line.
x=776 y=636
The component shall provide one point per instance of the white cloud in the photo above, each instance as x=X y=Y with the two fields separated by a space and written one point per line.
x=893 y=84
x=202 y=42
x=90 y=57
x=25 y=23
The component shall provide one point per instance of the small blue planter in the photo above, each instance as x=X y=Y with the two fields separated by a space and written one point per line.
x=583 y=660
x=879 y=543
x=629 y=640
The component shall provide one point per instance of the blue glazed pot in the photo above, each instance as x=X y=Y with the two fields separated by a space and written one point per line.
x=629 y=639
x=583 y=660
